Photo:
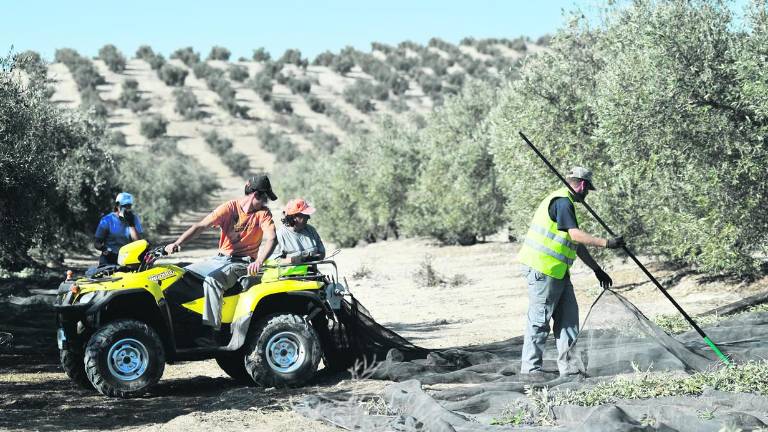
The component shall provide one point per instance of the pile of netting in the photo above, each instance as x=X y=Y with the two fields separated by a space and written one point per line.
x=369 y=342
x=480 y=388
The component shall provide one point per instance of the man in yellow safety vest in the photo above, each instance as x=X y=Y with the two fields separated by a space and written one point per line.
x=551 y=245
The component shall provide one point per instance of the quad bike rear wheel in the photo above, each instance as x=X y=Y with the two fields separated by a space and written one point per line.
x=337 y=354
x=234 y=365
x=124 y=359
x=283 y=350
x=73 y=363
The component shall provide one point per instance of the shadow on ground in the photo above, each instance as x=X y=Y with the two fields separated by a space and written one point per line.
x=35 y=394
x=55 y=404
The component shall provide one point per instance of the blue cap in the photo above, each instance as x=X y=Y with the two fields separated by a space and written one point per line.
x=124 y=198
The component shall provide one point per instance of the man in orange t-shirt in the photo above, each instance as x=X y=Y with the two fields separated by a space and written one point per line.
x=244 y=223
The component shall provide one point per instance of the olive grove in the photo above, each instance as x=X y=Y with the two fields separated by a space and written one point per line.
x=62 y=168
x=664 y=100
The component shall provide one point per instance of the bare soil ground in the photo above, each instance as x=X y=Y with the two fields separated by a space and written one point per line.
x=490 y=306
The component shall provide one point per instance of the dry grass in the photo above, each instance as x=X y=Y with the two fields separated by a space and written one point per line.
x=750 y=377
x=675 y=323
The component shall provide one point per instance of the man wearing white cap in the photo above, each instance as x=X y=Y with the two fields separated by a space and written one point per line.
x=551 y=245
x=117 y=228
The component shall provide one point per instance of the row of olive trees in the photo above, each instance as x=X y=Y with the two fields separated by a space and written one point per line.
x=37 y=70
x=214 y=77
x=665 y=101
x=171 y=75
x=440 y=68
x=54 y=172
x=398 y=179
x=61 y=170
x=87 y=79
x=237 y=161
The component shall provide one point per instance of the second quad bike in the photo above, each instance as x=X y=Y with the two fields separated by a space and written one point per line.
x=119 y=326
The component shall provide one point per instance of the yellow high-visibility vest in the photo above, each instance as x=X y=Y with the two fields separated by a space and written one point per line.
x=546 y=249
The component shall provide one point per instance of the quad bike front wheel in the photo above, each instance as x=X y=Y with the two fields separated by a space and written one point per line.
x=124 y=358
x=284 y=350
x=73 y=364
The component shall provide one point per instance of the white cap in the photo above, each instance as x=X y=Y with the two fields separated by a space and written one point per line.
x=582 y=173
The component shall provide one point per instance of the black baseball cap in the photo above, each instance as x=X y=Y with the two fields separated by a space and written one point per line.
x=260 y=183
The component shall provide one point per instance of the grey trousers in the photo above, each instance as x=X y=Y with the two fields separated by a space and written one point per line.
x=221 y=273
x=549 y=299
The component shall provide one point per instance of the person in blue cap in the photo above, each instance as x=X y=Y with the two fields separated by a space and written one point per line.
x=117 y=229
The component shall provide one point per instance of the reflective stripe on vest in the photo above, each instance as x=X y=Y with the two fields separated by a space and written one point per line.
x=555 y=237
x=547 y=249
x=550 y=252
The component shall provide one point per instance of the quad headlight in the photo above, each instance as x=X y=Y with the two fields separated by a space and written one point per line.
x=89 y=297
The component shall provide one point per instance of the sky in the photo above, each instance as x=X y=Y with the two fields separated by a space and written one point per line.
x=241 y=26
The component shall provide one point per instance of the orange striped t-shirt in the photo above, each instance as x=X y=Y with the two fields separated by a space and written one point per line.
x=241 y=232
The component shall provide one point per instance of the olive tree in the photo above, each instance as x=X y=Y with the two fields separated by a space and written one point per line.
x=219 y=53
x=51 y=159
x=112 y=57
x=455 y=197
x=361 y=186
x=661 y=101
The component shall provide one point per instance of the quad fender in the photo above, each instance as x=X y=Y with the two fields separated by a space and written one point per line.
x=256 y=297
x=138 y=304
x=293 y=302
x=296 y=302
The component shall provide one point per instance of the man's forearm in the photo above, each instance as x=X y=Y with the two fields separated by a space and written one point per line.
x=584 y=238
x=586 y=258
x=189 y=234
x=134 y=233
x=266 y=249
x=320 y=250
x=305 y=256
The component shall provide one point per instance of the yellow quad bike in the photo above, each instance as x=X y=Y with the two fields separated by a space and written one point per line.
x=118 y=327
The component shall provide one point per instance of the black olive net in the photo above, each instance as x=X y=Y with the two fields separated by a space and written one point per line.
x=471 y=388
x=617 y=338
x=365 y=340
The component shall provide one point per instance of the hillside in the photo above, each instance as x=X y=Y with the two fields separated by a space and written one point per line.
x=311 y=106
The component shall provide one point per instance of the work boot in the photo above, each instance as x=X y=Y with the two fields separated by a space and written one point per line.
x=536 y=375
x=207 y=338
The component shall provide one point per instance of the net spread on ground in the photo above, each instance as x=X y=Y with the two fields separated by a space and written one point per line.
x=480 y=388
